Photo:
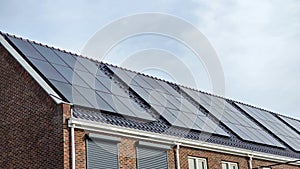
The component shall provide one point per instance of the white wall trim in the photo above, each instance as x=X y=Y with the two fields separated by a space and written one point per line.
x=166 y=139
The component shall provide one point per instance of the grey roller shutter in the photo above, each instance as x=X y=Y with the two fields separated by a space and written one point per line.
x=152 y=157
x=102 y=154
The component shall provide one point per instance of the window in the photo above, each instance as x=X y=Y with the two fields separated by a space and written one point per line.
x=152 y=156
x=102 y=151
x=229 y=165
x=197 y=163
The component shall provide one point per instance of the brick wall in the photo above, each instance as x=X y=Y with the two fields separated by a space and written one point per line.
x=257 y=163
x=66 y=136
x=30 y=122
x=127 y=156
x=214 y=160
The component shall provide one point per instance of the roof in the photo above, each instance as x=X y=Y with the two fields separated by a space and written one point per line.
x=102 y=92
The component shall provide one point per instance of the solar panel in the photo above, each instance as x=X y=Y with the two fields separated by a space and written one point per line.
x=80 y=80
x=173 y=107
x=274 y=125
x=26 y=48
x=71 y=60
x=49 y=54
x=64 y=88
x=232 y=118
x=292 y=122
x=48 y=70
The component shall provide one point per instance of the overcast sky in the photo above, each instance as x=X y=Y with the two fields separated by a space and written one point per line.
x=257 y=41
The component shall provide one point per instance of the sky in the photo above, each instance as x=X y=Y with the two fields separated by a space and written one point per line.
x=257 y=42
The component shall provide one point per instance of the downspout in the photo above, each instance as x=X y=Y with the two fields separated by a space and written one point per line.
x=72 y=141
x=177 y=155
x=250 y=160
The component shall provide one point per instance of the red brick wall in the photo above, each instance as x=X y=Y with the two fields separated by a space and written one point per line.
x=214 y=160
x=127 y=154
x=172 y=158
x=30 y=122
x=80 y=148
x=257 y=163
x=66 y=136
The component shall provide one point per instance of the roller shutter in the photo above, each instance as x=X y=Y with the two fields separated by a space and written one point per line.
x=152 y=157
x=102 y=153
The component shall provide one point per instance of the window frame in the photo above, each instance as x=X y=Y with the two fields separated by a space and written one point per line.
x=197 y=161
x=230 y=165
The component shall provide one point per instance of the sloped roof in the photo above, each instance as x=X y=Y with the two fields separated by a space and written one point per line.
x=110 y=94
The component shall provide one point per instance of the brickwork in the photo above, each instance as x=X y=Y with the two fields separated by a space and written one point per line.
x=66 y=136
x=30 y=123
x=127 y=154
x=80 y=148
x=172 y=158
x=214 y=160
x=257 y=163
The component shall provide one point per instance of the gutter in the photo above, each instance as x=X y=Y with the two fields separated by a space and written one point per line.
x=164 y=139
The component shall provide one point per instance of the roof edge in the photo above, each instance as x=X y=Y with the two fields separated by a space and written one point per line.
x=140 y=73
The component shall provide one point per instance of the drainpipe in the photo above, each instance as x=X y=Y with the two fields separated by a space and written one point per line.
x=72 y=126
x=250 y=160
x=177 y=155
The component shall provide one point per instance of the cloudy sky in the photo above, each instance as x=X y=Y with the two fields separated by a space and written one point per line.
x=257 y=41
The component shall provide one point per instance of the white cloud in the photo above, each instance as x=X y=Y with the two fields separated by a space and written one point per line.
x=257 y=41
x=258 y=44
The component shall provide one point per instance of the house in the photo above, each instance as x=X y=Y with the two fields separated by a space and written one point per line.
x=62 y=110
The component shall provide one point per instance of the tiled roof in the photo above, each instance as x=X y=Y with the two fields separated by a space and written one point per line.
x=113 y=89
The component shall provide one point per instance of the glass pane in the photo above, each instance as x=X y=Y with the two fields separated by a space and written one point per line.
x=88 y=94
x=64 y=88
x=49 y=55
x=91 y=66
x=234 y=119
x=48 y=70
x=191 y=163
x=103 y=105
x=70 y=60
x=66 y=72
x=225 y=166
x=275 y=125
x=26 y=48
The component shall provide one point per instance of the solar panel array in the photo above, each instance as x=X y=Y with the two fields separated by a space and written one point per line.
x=80 y=80
x=292 y=122
x=232 y=118
x=276 y=126
x=166 y=101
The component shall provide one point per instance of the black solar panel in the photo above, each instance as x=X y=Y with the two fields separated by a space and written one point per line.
x=276 y=126
x=80 y=80
x=292 y=122
x=233 y=118
x=173 y=107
